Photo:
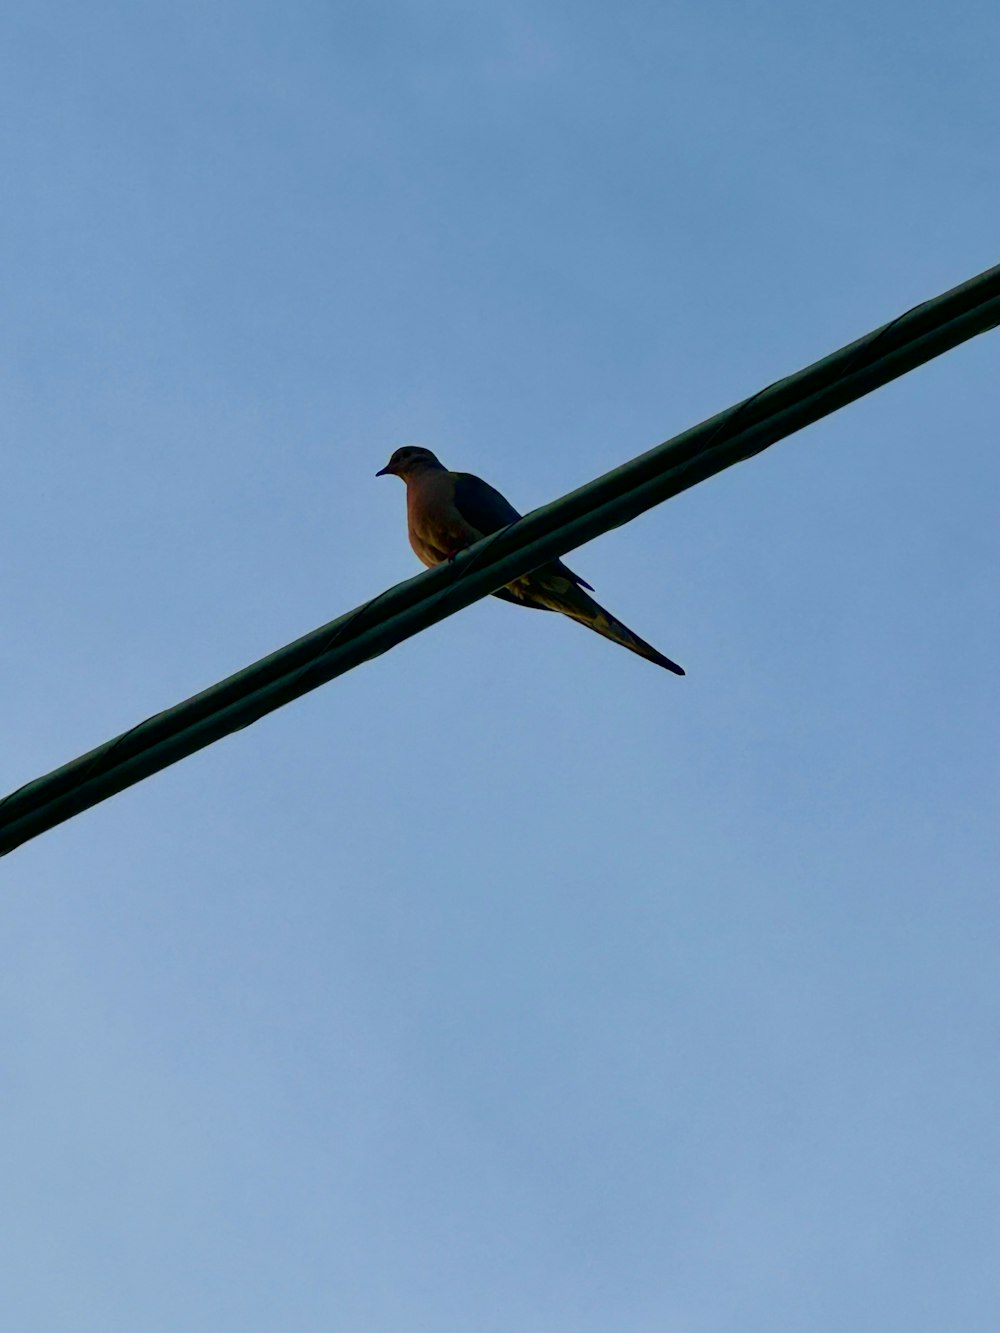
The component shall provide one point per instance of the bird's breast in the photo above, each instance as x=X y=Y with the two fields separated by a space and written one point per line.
x=433 y=524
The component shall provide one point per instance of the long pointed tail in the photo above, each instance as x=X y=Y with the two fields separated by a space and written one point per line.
x=581 y=607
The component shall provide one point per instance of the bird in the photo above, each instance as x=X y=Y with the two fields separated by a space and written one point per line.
x=448 y=511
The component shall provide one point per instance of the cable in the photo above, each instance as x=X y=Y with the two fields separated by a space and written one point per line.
x=611 y=500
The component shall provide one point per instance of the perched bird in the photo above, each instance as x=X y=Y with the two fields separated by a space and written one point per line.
x=447 y=511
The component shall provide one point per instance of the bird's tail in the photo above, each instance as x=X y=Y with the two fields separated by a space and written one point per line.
x=581 y=607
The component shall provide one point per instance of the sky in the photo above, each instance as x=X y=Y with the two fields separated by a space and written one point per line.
x=507 y=982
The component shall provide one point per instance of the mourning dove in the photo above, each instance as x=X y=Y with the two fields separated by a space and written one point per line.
x=447 y=511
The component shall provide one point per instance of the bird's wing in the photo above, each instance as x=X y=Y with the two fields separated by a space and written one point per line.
x=484 y=508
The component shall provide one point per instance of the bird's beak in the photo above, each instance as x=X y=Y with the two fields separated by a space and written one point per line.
x=384 y=471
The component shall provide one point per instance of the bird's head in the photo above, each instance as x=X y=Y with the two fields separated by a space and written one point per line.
x=408 y=461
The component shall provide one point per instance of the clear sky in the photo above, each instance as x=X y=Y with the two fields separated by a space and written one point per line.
x=508 y=983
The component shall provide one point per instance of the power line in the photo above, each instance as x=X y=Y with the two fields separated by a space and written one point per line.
x=611 y=500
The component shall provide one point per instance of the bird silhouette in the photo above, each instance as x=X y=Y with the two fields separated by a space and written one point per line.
x=448 y=511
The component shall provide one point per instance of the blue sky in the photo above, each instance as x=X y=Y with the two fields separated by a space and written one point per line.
x=508 y=982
